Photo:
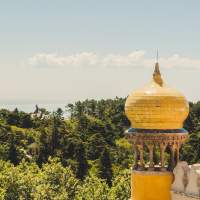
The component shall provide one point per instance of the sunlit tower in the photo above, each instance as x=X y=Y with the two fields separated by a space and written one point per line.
x=156 y=113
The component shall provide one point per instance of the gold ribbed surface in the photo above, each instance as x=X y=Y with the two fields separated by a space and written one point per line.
x=156 y=106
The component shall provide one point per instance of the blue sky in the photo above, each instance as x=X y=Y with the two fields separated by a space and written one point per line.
x=63 y=50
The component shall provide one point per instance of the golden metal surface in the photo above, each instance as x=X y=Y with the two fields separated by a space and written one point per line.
x=156 y=106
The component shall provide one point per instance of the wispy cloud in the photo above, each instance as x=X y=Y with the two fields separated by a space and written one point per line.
x=91 y=59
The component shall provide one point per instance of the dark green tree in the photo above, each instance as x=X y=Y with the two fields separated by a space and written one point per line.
x=43 y=148
x=95 y=146
x=105 y=167
x=12 y=152
x=13 y=118
x=82 y=167
x=26 y=121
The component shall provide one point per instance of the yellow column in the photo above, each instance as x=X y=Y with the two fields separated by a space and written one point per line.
x=162 y=155
x=151 y=185
x=141 y=151
x=151 y=164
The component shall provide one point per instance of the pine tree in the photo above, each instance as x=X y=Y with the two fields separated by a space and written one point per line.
x=43 y=148
x=82 y=167
x=105 y=167
x=12 y=153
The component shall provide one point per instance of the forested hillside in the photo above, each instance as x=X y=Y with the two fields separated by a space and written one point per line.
x=45 y=156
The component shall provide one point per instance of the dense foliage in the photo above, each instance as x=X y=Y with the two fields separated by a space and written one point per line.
x=84 y=156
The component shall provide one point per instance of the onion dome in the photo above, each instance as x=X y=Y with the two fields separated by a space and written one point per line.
x=156 y=106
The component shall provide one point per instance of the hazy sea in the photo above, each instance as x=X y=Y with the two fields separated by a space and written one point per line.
x=30 y=107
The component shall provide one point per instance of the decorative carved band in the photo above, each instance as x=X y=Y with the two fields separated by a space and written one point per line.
x=157 y=139
x=152 y=140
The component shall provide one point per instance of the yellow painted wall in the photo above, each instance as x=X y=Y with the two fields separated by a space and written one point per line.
x=151 y=185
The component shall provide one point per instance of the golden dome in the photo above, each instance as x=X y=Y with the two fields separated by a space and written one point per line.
x=156 y=106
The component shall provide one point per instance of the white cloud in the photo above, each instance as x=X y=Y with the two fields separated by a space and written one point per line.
x=91 y=59
x=52 y=60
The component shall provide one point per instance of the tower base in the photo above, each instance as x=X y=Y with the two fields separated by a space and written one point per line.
x=151 y=185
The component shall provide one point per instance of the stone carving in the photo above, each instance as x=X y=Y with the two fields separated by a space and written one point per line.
x=180 y=177
x=187 y=179
x=193 y=187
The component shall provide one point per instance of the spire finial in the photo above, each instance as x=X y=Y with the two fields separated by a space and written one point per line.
x=157 y=56
x=157 y=75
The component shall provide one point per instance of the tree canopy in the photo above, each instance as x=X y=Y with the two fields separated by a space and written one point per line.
x=83 y=156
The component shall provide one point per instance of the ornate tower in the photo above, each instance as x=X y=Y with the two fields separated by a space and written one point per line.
x=156 y=113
